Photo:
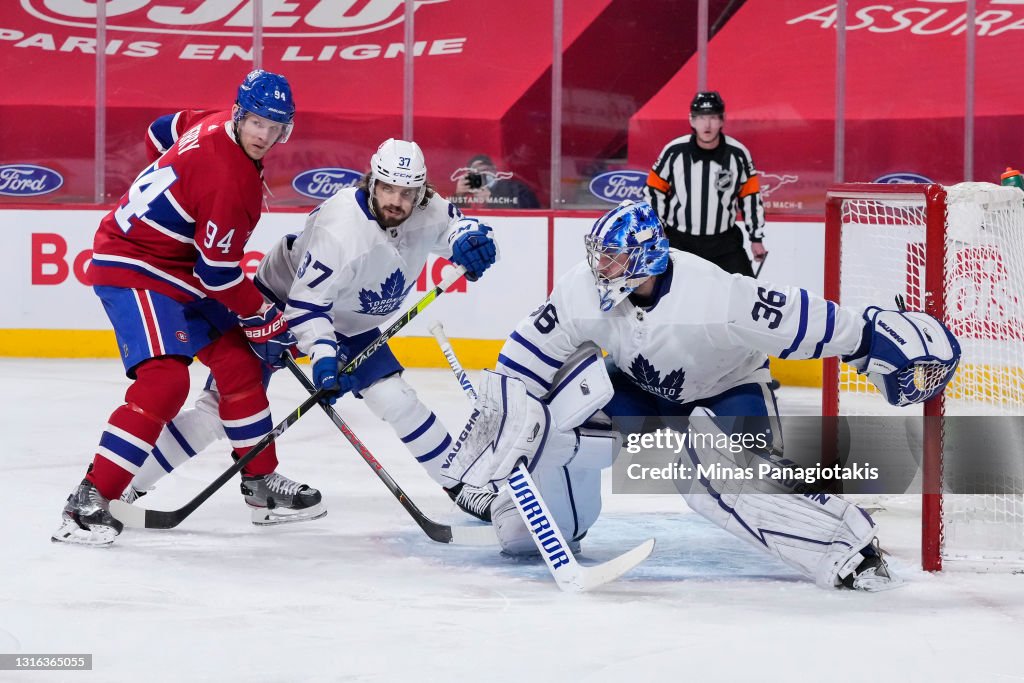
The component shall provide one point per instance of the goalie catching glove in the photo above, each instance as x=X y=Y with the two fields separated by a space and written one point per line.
x=909 y=356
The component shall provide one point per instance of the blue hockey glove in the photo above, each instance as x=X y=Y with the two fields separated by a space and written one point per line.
x=327 y=373
x=268 y=335
x=473 y=248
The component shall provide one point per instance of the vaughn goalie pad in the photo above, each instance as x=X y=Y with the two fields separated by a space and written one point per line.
x=818 y=534
x=507 y=425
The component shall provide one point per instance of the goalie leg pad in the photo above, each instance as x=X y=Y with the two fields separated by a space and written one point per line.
x=572 y=495
x=597 y=448
x=507 y=425
x=818 y=534
x=581 y=387
x=395 y=402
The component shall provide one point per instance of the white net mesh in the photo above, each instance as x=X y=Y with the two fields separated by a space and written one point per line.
x=882 y=255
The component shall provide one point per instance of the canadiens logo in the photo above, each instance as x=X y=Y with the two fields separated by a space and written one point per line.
x=392 y=292
x=649 y=378
x=182 y=336
x=309 y=19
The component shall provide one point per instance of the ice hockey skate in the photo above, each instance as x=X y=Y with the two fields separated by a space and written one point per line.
x=472 y=501
x=132 y=494
x=872 y=574
x=86 y=519
x=276 y=499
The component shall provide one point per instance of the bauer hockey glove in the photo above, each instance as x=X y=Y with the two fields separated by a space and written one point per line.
x=268 y=335
x=473 y=248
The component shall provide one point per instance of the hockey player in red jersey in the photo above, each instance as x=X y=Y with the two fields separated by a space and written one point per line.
x=166 y=267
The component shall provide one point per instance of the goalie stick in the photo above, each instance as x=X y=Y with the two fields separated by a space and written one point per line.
x=442 y=533
x=568 y=573
x=139 y=517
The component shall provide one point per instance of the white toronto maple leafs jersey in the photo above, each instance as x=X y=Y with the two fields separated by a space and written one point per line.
x=345 y=273
x=708 y=331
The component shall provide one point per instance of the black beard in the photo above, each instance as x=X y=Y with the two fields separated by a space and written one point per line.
x=383 y=220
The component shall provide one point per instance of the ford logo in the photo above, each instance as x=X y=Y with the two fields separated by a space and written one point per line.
x=615 y=186
x=895 y=178
x=26 y=180
x=321 y=183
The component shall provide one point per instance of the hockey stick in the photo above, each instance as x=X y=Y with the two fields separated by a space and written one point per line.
x=568 y=573
x=139 y=517
x=760 y=265
x=442 y=533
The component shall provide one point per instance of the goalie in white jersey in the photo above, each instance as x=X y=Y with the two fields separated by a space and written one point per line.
x=685 y=339
x=345 y=274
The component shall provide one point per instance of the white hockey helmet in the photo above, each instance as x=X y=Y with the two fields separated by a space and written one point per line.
x=399 y=162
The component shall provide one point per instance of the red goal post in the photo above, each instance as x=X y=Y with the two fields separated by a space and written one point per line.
x=957 y=253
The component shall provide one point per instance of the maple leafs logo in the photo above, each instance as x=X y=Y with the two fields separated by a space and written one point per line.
x=649 y=378
x=392 y=293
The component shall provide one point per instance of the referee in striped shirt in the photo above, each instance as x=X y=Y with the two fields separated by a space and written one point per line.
x=699 y=182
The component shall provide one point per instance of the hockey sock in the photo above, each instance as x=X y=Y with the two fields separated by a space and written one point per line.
x=156 y=395
x=191 y=432
x=244 y=409
x=395 y=402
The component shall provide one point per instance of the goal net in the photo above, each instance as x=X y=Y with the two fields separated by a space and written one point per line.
x=958 y=253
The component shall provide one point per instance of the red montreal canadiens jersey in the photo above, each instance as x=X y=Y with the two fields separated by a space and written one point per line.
x=182 y=227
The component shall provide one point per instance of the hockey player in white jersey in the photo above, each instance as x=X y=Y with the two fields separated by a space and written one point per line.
x=685 y=339
x=345 y=274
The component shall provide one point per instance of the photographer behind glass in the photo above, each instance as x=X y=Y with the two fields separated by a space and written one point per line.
x=485 y=186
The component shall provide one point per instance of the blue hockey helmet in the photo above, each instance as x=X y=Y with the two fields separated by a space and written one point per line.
x=268 y=96
x=626 y=246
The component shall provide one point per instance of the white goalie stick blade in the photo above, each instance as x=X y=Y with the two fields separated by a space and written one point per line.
x=131 y=516
x=569 y=574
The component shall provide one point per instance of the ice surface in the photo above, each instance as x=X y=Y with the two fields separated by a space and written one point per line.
x=363 y=595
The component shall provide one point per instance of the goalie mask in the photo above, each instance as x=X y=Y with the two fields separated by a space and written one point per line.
x=268 y=96
x=401 y=163
x=625 y=247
